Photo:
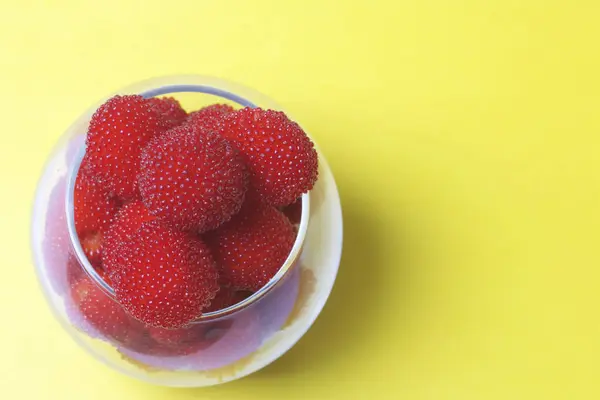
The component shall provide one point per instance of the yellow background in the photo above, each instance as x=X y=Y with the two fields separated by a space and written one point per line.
x=464 y=136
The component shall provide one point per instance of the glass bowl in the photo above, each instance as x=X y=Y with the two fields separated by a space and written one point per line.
x=220 y=346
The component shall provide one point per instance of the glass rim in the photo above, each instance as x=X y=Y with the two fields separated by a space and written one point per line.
x=256 y=296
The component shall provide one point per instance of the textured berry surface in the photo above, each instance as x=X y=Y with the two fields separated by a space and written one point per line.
x=251 y=248
x=126 y=223
x=101 y=312
x=281 y=159
x=94 y=210
x=210 y=117
x=94 y=206
x=170 y=109
x=118 y=130
x=165 y=278
x=192 y=179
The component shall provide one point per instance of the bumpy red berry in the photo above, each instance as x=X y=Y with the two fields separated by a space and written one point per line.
x=210 y=117
x=192 y=179
x=125 y=224
x=165 y=278
x=170 y=109
x=118 y=130
x=281 y=158
x=102 y=312
x=94 y=209
x=251 y=248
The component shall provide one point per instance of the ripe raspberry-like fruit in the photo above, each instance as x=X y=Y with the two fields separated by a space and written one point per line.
x=164 y=277
x=118 y=130
x=94 y=209
x=125 y=224
x=251 y=248
x=281 y=159
x=101 y=312
x=192 y=179
x=210 y=117
x=170 y=109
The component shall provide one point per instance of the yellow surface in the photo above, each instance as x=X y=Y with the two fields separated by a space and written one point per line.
x=464 y=136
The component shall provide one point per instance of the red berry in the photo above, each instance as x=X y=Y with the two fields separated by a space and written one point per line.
x=126 y=223
x=102 y=312
x=170 y=109
x=94 y=209
x=210 y=117
x=94 y=206
x=165 y=277
x=281 y=159
x=251 y=248
x=226 y=297
x=192 y=179
x=118 y=130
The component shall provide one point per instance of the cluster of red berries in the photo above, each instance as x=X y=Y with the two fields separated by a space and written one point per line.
x=184 y=214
